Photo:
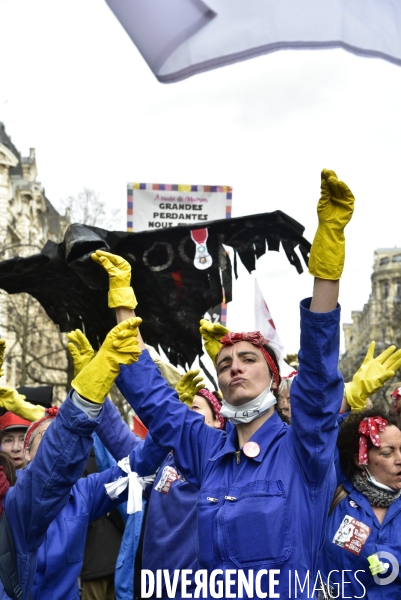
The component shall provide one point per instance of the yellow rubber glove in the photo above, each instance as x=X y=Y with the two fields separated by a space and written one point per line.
x=212 y=334
x=371 y=375
x=189 y=385
x=80 y=349
x=2 y=350
x=11 y=400
x=121 y=346
x=119 y=272
x=170 y=373
x=334 y=210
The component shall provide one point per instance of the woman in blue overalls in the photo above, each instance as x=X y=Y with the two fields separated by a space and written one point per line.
x=363 y=530
x=265 y=488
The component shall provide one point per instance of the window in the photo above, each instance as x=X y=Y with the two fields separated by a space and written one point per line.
x=385 y=290
x=396 y=258
x=384 y=260
x=397 y=296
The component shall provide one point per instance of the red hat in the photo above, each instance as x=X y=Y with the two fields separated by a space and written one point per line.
x=11 y=421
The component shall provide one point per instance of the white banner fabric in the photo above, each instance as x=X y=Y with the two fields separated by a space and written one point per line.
x=179 y=38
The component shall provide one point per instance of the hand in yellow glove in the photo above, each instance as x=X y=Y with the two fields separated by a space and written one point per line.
x=11 y=400
x=2 y=350
x=170 y=373
x=80 y=349
x=212 y=334
x=121 y=347
x=119 y=272
x=189 y=385
x=371 y=375
x=334 y=210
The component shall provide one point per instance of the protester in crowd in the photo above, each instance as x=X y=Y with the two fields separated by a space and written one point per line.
x=169 y=540
x=102 y=544
x=171 y=524
x=369 y=503
x=44 y=486
x=283 y=400
x=395 y=397
x=114 y=436
x=370 y=377
x=7 y=463
x=16 y=420
x=60 y=556
x=12 y=433
x=254 y=478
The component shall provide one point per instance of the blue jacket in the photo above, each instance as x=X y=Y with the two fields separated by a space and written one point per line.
x=267 y=512
x=43 y=488
x=61 y=554
x=119 y=441
x=171 y=524
x=171 y=516
x=342 y=554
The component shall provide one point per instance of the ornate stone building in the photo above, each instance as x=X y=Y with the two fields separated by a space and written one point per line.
x=35 y=352
x=380 y=318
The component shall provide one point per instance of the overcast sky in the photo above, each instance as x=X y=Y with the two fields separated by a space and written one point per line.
x=74 y=87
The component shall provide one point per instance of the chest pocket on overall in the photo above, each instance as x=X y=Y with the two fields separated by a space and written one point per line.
x=257 y=524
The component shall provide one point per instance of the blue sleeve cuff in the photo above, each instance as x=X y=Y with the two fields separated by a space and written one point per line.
x=89 y=408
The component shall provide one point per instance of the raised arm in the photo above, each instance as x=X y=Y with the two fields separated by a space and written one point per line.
x=327 y=256
x=43 y=487
x=114 y=433
x=371 y=376
x=121 y=294
x=317 y=390
x=170 y=423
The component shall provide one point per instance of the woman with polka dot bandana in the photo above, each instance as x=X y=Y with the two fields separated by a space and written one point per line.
x=370 y=506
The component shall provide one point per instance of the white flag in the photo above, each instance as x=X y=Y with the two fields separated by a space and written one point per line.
x=265 y=324
x=179 y=38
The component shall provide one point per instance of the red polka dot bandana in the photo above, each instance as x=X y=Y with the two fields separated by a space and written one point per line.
x=215 y=404
x=369 y=428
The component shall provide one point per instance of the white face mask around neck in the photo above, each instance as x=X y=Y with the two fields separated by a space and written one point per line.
x=251 y=410
x=377 y=484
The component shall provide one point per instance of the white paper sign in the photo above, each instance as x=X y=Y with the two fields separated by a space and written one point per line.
x=159 y=206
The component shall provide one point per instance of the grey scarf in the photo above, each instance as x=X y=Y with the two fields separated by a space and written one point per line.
x=375 y=495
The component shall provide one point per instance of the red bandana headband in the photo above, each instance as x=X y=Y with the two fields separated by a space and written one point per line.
x=50 y=413
x=256 y=339
x=369 y=428
x=396 y=396
x=215 y=404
